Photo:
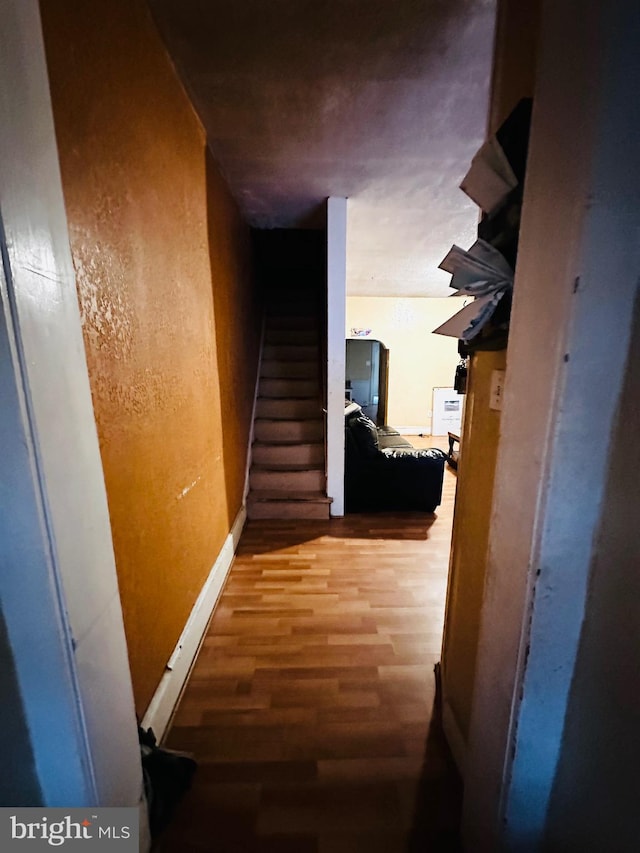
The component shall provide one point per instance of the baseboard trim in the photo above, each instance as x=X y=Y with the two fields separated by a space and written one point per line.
x=165 y=699
x=455 y=738
x=413 y=430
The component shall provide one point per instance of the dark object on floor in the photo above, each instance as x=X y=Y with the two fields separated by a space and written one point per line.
x=454 y=450
x=167 y=777
x=438 y=804
x=384 y=472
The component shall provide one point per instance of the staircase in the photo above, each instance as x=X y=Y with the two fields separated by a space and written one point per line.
x=287 y=477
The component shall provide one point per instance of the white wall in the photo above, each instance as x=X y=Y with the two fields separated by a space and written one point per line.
x=336 y=294
x=576 y=282
x=58 y=585
x=596 y=783
x=419 y=361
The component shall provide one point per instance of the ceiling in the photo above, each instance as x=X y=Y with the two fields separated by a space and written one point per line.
x=381 y=101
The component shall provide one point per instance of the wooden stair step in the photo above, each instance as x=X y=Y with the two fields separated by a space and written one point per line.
x=271 y=429
x=287 y=478
x=286 y=409
x=285 y=369
x=291 y=337
x=288 y=453
x=300 y=479
x=287 y=466
x=294 y=495
x=295 y=352
x=298 y=387
x=310 y=507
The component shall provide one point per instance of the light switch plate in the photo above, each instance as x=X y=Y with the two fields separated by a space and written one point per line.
x=497 y=390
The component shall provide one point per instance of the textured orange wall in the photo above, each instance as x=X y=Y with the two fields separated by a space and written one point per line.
x=161 y=261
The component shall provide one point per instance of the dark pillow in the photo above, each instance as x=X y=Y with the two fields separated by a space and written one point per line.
x=365 y=433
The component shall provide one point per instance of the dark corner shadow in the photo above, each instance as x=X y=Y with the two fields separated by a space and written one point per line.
x=438 y=806
x=385 y=525
x=259 y=535
x=237 y=313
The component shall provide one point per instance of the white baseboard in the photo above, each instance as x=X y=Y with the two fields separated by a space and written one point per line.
x=454 y=736
x=414 y=430
x=168 y=692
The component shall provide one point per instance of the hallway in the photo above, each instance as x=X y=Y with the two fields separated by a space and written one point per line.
x=310 y=707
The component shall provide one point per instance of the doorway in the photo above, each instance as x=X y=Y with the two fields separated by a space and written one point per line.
x=367 y=377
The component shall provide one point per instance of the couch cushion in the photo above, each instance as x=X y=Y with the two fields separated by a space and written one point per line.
x=364 y=433
x=432 y=453
x=395 y=479
x=392 y=439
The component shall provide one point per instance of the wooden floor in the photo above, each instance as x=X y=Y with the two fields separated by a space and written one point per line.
x=310 y=709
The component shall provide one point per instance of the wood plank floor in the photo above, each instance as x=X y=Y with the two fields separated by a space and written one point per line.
x=310 y=709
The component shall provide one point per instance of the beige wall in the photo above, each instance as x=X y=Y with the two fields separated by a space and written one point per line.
x=418 y=360
x=171 y=336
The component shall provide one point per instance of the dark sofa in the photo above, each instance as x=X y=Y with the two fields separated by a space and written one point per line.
x=384 y=472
